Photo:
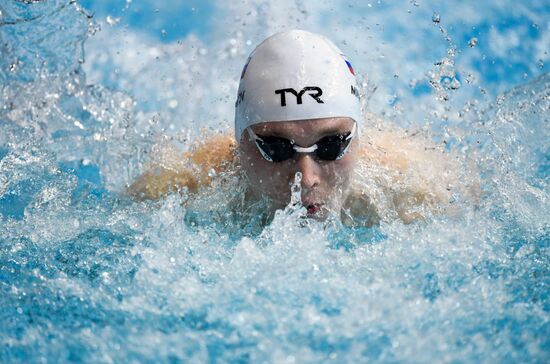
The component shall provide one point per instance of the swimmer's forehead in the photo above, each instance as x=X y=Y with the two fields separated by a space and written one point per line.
x=314 y=127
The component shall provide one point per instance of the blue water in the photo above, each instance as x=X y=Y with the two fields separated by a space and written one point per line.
x=88 y=89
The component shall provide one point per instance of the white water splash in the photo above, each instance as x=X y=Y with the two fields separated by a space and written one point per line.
x=88 y=275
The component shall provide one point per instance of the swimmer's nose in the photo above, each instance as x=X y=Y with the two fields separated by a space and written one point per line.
x=310 y=171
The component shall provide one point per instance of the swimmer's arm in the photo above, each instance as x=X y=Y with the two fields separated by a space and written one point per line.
x=173 y=171
x=159 y=181
x=413 y=177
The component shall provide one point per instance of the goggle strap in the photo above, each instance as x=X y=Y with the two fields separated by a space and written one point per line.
x=254 y=137
x=352 y=132
x=264 y=154
x=343 y=152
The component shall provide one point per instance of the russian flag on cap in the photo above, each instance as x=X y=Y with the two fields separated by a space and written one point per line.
x=348 y=63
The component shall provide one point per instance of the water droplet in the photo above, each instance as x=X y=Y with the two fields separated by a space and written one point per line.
x=436 y=18
x=19 y=310
x=455 y=84
x=473 y=42
x=93 y=28
x=111 y=20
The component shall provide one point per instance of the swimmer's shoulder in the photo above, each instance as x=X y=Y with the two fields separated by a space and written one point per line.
x=408 y=176
x=171 y=170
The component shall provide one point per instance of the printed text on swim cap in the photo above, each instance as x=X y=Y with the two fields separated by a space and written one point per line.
x=316 y=95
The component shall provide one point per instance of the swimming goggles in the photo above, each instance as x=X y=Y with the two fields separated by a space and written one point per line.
x=277 y=149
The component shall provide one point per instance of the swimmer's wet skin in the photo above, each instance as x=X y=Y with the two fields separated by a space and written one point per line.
x=298 y=110
x=172 y=171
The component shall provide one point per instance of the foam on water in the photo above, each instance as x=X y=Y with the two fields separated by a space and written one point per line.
x=87 y=274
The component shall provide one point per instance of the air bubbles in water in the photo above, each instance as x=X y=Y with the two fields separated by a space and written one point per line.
x=473 y=42
x=436 y=18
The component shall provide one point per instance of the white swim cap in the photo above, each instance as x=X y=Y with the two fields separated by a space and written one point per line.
x=295 y=75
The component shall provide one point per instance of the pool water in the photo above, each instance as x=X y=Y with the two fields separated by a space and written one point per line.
x=88 y=89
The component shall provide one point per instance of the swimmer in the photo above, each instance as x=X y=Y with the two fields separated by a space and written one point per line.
x=298 y=109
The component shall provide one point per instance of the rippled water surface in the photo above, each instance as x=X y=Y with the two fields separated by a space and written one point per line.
x=89 y=88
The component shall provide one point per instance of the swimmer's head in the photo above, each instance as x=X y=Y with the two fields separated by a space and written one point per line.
x=295 y=75
x=298 y=110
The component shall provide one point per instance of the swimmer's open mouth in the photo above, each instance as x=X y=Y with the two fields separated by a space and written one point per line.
x=313 y=209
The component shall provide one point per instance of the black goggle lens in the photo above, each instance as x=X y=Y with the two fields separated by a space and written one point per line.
x=279 y=149
x=331 y=147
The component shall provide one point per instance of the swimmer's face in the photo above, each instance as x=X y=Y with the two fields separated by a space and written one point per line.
x=325 y=184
